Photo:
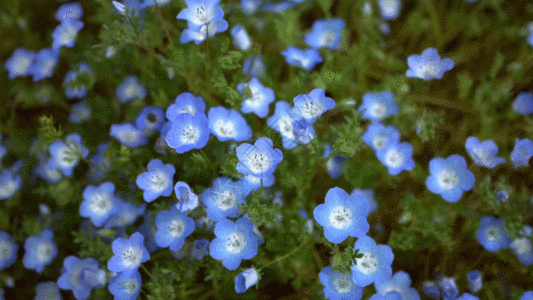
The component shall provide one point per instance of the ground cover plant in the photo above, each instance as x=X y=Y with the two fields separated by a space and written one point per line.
x=254 y=149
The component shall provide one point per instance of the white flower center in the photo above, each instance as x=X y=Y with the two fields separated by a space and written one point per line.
x=448 y=179
x=74 y=278
x=7 y=188
x=379 y=141
x=131 y=90
x=190 y=135
x=225 y=129
x=428 y=70
x=131 y=257
x=22 y=65
x=66 y=157
x=340 y=217
x=5 y=250
x=311 y=109
x=378 y=110
x=483 y=156
x=225 y=200
x=367 y=264
x=394 y=288
x=68 y=34
x=327 y=38
x=259 y=162
x=44 y=252
x=343 y=283
x=188 y=110
x=236 y=242
x=128 y=136
x=159 y=181
x=285 y=128
x=394 y=158
x=130 y=286
x=203 y=14
x=522 y=246
x=48 y=65
x=176 y=228
x=100 y=203
x=493 y=233
x=256 y=99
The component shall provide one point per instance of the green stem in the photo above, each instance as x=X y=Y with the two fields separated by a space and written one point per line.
x=280 y=258
x=147 y=272
x=435 y=23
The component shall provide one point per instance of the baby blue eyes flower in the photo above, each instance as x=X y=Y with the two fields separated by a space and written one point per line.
x=448 y=288
x=45 y=291
x=173 y=226
x=527 y=295
x=259 y=159
x=338 y=286
x=260 y=99
x=281 y=121
x=392 y=295
x=157 y=181
x=228 y=124
x=128 y=254
x=188 y=132
x=40 y=251
x=474 y=281
x=522 y=152
x=431 y=289
x=313 y=105
x=67 y=156
x=306 y=59
x=400 y=282
x=234 y=242
x=325 y=34
x=128 y=135
x=377 y=106
x=130 y=89
x=390 y=9
x=200 y=12
x=81 y=276
x=522 y=247
x=205 y=31
x=200 y=249
x=449 y=177
x=125 y=287
x=428 y=65
x=187 y=199
x=523 y=103
x=8 y=250
x=254 y=66
x=44 y=64
x=65 y=34
x=342 y=215
x=303 y=131
x=69 y=12
x=492 y=235
x=375 y=265
x=241 y=39
x=80 y=90
x=397 y=157
x=99 y=203
x=9 y=184
x=377 y=136
x=250 y=6
x=245 y=280
x=79 y=113
x=150 y=119
x=334 y=164
x=483 y=153
x=222 y=197
x=127 y=214
x=185 y=103
x=19 y=63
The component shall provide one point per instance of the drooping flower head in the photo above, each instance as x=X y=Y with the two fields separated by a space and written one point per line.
x=449 y=177
x=241 y=39
x=375 y=265
x=187 y=199
x=492 y=235
x=128 y=135
x=200 y=249
x=245 y=280
x=78 y=275
x=234 y=242
x=474 y=281
x=325 y=33
x=339 y=286
x=259 y=159
x=281 y=121
x=378 y=106
x=483 y=153
x=428 y=65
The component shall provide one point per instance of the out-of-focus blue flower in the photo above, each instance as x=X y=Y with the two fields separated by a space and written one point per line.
x=204 y=223
x=126 y=215
x=277 y=7
x=245 y=280
x=313 y=105
x=259 y=159
x=185 y=103
x=130 y=89
x=8 y=250
x=448 y=288
x=74 y=276
x=128 y=254
x=492 y=235
x=342 y=215
x=522 y=247
x=334 y=164
x=385 y=28
x=431 y=289
x=44 y=64
x=254 y=183
x=148 y=3
x=390 y=9
x=281 y=121
x=124 y=286
x=157 y=181
x=483 y=153
x=3 y=150
x=200 y=12
x=79 y=113
x=234 y=242
x=369 y=196
x=260 y=99
x=375 y=265
x=304 y=132
x=99 y=203
x=378 y=106
x=306 y=59
x=205 y=31
x=397 y=157
x=200 y=249
x=134 y=7
x=527 y=295
x=400 y=282
x=222 y=197
x=523 y=103
x=228 y=124
x=392 y=295
x=188 y=132
x=254 y=66
x=467 y=296
x=45 y=291
x=241 y=39
x=338 y=286
x=250 y=6
x=67 y=156
x=100 y=165
x=40 y=251
x=69 y=12
x=522 y=152
x=325 y=34
x=173 y=226
x=474 y=281
x=19 y=63
x=150 y=119
x=428 y=65
x=80 y=90
x=449 y=177
x=65 y=34
x=149 y=236
x=128 y=135
x=377 y=136
x=10 y=182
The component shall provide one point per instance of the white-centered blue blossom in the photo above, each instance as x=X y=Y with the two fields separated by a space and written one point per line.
x=397 y=157
x=378 y=106
x=306 y=59
x=99 y=203
x=40 y=251
x=260 y=99
x=128 y=254
x=187 y=199
x=325 y=34
x=130 y=89
x=65 y=34
x=241 y=39
x=313 y=105
x=200 y=12
x=375 y=265
x=185 y=103
x=157 y=181
x=208 y=30
x=281 y=121
x=449 y=177
x=128 y=135
x=188 y=132
x=377 y=136
x=259 y=159
x=483 y=153
x=428 y=65
x=389 y=9
x=400 y=282
x=67 y=156
x=228 y=124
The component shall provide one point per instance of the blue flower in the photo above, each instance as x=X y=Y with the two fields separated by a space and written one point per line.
x=128 y=254
x=188 y=132
x=67 y=156
x=126 y=215
x=125 y=286
x=431 y=289
x=369 y=196
x=200 y=249
x=254 y=183
x=397 y=157
x=73 y=276
x=474 y=281
x=375 y=265
x=45 y=291
x=523 y=104
x=185 y=103
x=157 y=181
x=148 y=232
x=281 y=121
x=130 y=89
x=305 y=59
x=65 y=34
x=100 y=165
x=128 y=135
x=261 y=98
x=277 y=7
x=9 y=184
x=79 y=113
x=19 y=63
x=205 y=31
x=40 y=251
x=222 y=197
x=522 y=247
x=241 y=39
x=254 y=66
x=325 y=33
x=173 y=226
x=150 y=119
x=69 y=12
x=259 y=159
x=378 y=106
x=250 y=6
x=44 y=64
x=99 y=203
x=3 y=150
x=338 y=286
x=522 y=152
x=492 y=235
x=80 y=90
x=467 y=296
x=187 y=199
x=135 y=8
x=342 y=215
x=390 y=9
x=303 y=131
x=148 y=3
x=8 y=250
x=483 y=154
x=234 y=242
x=449 y=177
x=313 y=105
x=245 y=280
x=377 y=136
x=392 y=295
x=448 y=288
x=400 y=282
x=334 y=164
x=228 y=124
x=528 y=295
x=428 y=65
x=200 y=12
